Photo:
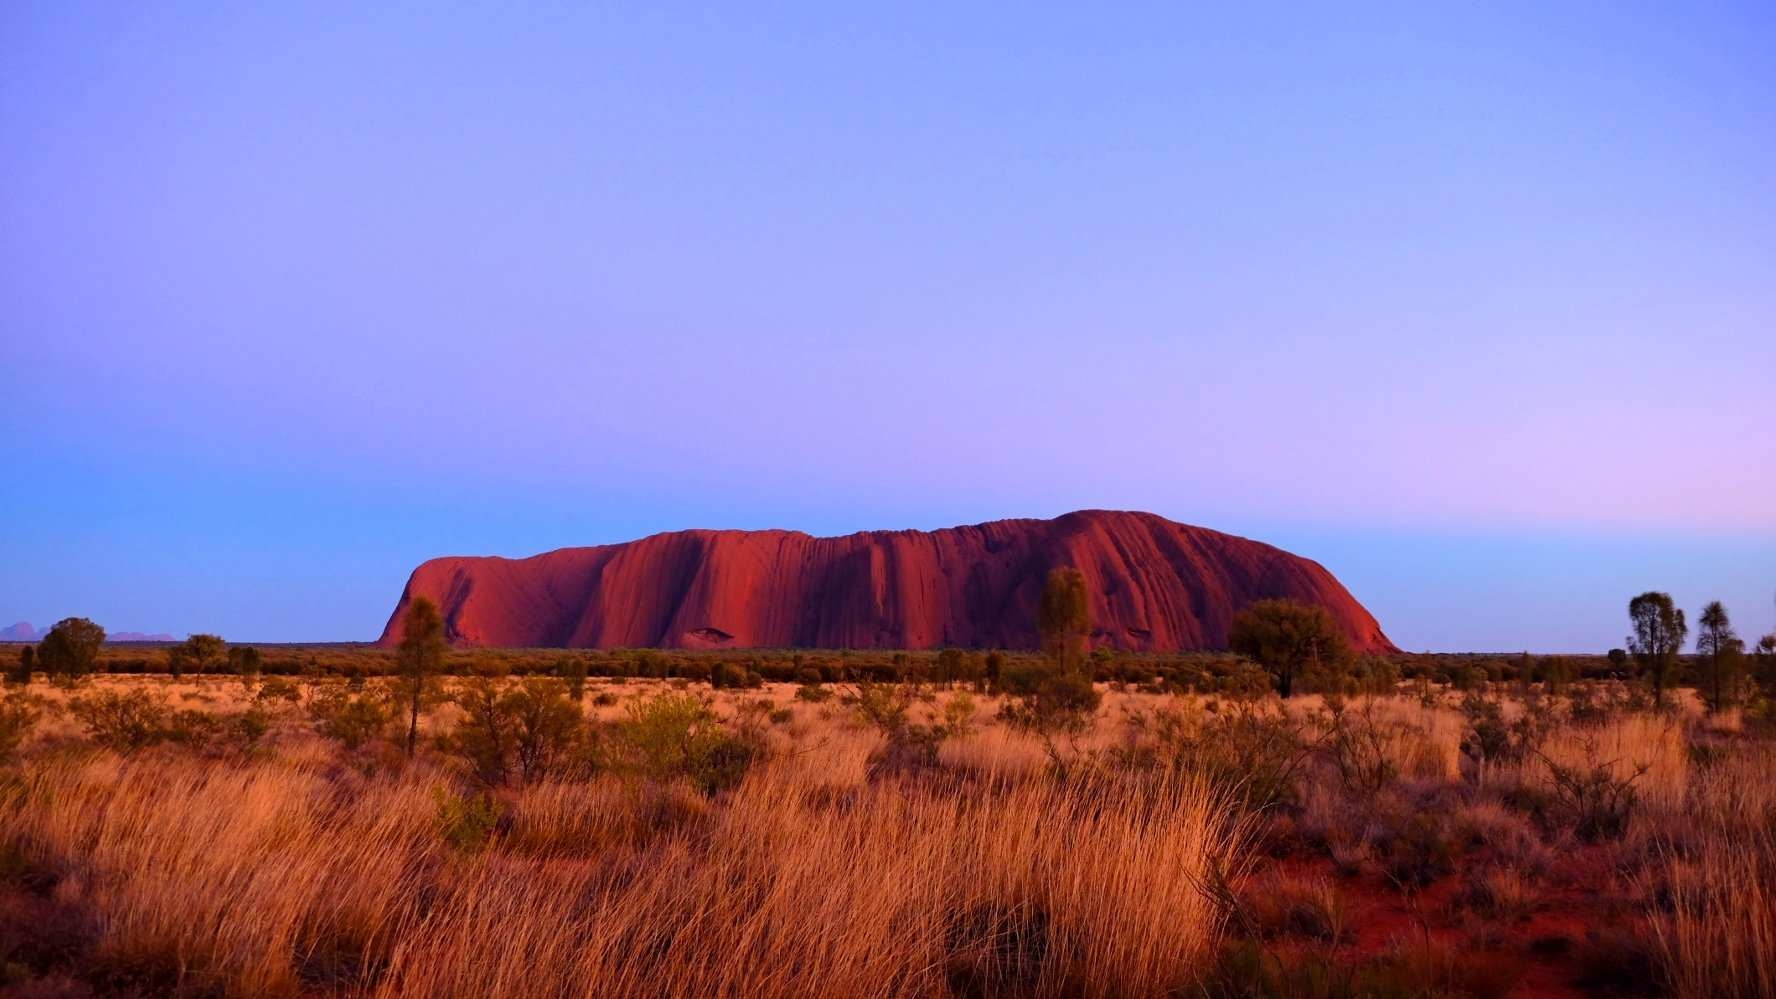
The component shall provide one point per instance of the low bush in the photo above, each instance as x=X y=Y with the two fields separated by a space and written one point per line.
x=468 y=822
x=1361 y=745
x=1592 y=799
x=1417 y=850
x=125 y=720
x=1051 y=703
x=908 y=745
x=1277 y=905
x=350 y=717
x=1503 y=894
x=1252 y=751
x=18 y=717
x=813 y=693
x=530 y=728
x=1490 y=740
x=275 y=689
x=678 y=737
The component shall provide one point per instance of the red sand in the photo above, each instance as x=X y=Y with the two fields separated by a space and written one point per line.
x=1156 y=586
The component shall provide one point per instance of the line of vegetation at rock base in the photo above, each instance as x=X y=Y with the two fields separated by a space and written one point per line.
x=1724 y=667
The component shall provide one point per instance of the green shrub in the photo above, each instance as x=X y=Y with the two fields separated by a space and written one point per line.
x=908 y=746
x=250 y=727
x=722 y=674
x=350 y=717
x=1252 y=751
x=529 y=728
x=1592 y=705
x=572 y=671
x=958 y=716
x=677 y=737
x=483 y=738
x=468 y=823
x=1051 y=703
x=21 y=672
x=18 y=716
x=193 y=729
x=274 y=688
x=813 y=693
x=1489 y=738
x=1421 y=851
x=1591 y=799
x=546 y=725
x=1361 y=745
x=124 y=720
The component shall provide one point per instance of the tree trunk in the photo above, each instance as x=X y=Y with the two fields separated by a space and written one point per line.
x=413 y=723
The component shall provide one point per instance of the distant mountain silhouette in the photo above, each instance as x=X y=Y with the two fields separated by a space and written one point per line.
x=1155 y=586
x=21 y=632
x=24 y=632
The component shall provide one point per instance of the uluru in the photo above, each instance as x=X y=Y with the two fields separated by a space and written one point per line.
x=1155 y=586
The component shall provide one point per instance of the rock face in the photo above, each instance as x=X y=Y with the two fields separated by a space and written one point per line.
x=1156 y=586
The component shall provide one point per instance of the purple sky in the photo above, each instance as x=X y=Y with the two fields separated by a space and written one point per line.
x=1477 y=308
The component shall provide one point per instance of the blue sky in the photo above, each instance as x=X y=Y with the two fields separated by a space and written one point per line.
x=1477 y=307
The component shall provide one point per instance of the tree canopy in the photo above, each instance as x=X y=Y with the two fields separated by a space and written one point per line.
x=71 y=648
x=1721 y=650
x=202 y=652
x=419 y=656
x=1659 y=633
x=1064 y=617
x=1288 y=638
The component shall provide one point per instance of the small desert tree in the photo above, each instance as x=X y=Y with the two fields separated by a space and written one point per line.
x=1764 y=670
x=70 y=649
x=529 y=726
x=1055 y=698
x=418 y=658
x=484 y=735
x=1766 y=664
x=546 y=724
x=572 y=670
x=1721 y=651
x=244 y=661
x=1063 y=619
x=201 y=652
x=993 y=669
x=27 y=664
x=948 y=667
x=1288 y=639
x=1659 y=632
x=974 y=671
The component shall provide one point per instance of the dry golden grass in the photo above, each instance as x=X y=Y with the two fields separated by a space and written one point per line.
x=1719 y=937
x=1714 y=881
x=299 y=868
